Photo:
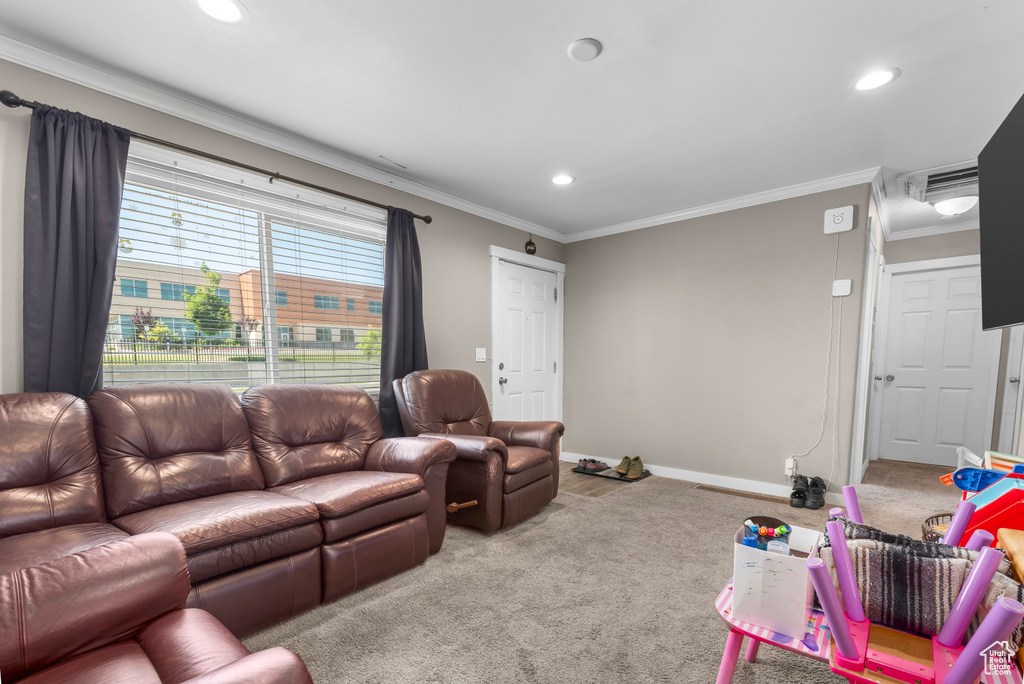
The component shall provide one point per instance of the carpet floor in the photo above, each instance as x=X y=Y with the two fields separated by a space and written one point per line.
x=613 y=589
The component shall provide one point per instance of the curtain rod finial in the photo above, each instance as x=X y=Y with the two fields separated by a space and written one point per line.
x=427 y=219
x=10 y=99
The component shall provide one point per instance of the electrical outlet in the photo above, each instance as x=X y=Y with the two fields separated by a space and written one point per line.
x=791 y=467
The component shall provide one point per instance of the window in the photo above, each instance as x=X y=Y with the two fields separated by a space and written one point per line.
x=325 y=302
x=376 y=307
x=134 y=288
x=239 y=245
x=350 y=304
x=176 y=291
x=347 y=338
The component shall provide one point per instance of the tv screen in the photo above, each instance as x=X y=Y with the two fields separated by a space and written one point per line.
x=1001 y=216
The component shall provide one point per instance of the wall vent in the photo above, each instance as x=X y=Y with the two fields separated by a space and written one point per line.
x=929 y=185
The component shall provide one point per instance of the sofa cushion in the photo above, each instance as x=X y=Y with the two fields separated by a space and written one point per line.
x=161 y=444
x=305 y=431
x=122 y=663
x=34 y=548
x=345 y=493
x=245 y=553
x=49 y=472
x=446 y=402
x=520 y=458
x=336 y=529
x=216 y=521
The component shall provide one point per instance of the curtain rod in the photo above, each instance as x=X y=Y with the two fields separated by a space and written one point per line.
x=13 y=101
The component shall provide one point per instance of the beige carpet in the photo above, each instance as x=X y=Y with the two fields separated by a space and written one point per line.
x=613 y=589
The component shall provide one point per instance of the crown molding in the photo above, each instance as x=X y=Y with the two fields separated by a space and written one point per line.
x=934 y=230
x=251 y=130
x=754 y=199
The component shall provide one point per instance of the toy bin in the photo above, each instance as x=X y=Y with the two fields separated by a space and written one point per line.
x=771 y=590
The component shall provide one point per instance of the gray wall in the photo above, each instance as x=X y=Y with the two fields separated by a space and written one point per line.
x=962 y=243
x=456 y=263
x=701 y=345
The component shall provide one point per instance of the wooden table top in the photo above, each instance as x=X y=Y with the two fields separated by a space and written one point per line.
x=1012 y=541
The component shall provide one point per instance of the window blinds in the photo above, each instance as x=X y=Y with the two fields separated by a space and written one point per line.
x=225 y=277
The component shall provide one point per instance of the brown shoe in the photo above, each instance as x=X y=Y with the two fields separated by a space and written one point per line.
x=624 y=465
x=636 y=469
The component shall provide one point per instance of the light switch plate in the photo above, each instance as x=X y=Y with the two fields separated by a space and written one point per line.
x=481 y=354
x=839 y=220
x=841 y=288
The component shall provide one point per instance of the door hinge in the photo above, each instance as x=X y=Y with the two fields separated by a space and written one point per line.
x=556 y=367
x=556 y=294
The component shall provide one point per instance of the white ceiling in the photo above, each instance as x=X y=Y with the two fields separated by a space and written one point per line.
x=690 y=104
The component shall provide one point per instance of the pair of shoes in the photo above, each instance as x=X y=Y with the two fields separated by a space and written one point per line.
x=815 y=493
x=798 y=498
x=632 y=467
x=592 y=465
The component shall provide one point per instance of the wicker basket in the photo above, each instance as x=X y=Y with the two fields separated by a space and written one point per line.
x=934 y=528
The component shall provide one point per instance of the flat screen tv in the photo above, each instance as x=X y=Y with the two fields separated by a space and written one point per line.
x=1001 y=215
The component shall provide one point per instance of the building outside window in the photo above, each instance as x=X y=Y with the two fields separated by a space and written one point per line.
x=376 y=307
x=325 y=302
x=323 y=335
x=134 y=288
x=224 y=294
x=347 y=338
x=282 y=297
x=350 y=304
x=285 y=334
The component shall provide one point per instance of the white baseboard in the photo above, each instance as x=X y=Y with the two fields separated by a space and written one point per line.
x=724 y=481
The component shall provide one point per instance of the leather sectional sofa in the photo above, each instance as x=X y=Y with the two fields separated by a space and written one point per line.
x=292 y=501
x=115 y=614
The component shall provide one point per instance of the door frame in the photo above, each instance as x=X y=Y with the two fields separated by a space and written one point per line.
x=881 y=339
x=499 y=254
x=873 y=267
x=1008 y=440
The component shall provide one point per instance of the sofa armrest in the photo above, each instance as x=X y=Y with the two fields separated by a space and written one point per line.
x=272 y=666
x=473 y=447
x=86 y=600
x=408 y=455
x=541 y=434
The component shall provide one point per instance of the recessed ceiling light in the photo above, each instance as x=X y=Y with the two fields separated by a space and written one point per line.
x=228 y=11
x=585 y=49
x=956 y=205
x=877 y=79
x=562 y=179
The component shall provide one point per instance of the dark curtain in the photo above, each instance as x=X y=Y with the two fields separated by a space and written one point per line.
x=73 y=186
x=403 y=342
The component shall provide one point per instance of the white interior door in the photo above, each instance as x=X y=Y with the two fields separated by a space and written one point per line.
x=526 y=343
x=935 y=380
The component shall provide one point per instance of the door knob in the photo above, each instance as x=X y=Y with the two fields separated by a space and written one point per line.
x=502 y=381
x=890 y=377
x=1014 y=380
x=878 y=377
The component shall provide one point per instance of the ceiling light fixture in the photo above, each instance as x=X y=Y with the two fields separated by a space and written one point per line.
x=877 y=79
x=228 y=11
x=584 y=49
x=954 y=206
x=563 y=179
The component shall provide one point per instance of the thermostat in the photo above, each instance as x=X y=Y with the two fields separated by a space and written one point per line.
x=839 y=220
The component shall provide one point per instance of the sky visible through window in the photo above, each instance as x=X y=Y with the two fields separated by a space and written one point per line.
x=164 y=228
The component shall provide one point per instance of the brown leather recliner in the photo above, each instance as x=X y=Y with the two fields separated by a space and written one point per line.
x=51 y=495
x=381 y=501
x=115 y=614
x=509 y=468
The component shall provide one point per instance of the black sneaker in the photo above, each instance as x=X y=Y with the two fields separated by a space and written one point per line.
x=815 y=493
x=798 y=498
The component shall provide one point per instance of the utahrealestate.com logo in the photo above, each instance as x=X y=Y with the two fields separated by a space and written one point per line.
x=999 y=658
